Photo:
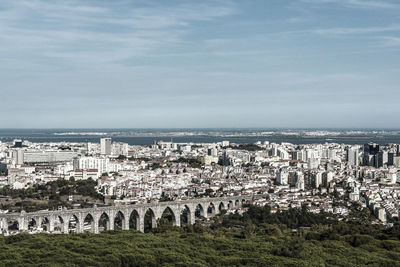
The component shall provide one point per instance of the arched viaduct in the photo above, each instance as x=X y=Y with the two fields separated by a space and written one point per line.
x=139 y=217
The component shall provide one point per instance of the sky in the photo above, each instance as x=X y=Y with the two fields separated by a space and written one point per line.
x=195 y=64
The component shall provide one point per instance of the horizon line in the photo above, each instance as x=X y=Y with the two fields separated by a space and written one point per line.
x=200 y=128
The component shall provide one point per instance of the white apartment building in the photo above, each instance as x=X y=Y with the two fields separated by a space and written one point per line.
x=87 y=163
x=105 y=146
x=47 y=156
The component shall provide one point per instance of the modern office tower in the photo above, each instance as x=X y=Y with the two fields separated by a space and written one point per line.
x=273 y=152
x=3 y=168
x=352 y=156
x=283 y=154
x=391 y=156
x=313 y=163
x=18 y=143
x=75 y=163
x=225 y=159
x=371 y=148
x=370 y=157
x=119 y=149
x=382 y=159
x=18 y=156
x=396 y=161
x=105 y=146
x=282 y=177
x=299 y=155
x=312 y=154
x=300 y=184
x=318 y=179
x=327 y=177
x=329 y=153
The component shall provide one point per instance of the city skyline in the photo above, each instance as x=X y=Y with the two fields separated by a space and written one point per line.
x=214 y=64
x=199 y=133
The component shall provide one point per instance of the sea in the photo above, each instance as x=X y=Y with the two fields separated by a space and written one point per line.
x=207 y=135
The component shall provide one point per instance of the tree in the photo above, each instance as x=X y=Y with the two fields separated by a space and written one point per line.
x=208 y=191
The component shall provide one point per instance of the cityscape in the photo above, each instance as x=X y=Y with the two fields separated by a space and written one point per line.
x=199 y=133
x=327 y=177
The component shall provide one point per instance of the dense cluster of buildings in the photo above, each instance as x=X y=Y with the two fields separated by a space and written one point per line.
x=325 y=177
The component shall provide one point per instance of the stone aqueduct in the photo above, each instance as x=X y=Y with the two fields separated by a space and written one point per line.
x=123 y=217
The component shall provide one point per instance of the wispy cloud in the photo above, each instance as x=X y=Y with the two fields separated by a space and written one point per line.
x=58 y=6
x=357 y=3
x=360 y=30
x=391 y=41
x=124 y=59
x=108 y=32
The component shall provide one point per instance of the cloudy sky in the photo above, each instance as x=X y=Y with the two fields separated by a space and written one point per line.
x=224 y=63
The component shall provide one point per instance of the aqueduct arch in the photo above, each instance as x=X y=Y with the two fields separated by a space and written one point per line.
x=221 y=207
x=73 y=224
x=170 y=215
x=211 y=210
x=149 y=220
x=142 y=217
x=200 y=211
x=88 y=223
x=185 y=216
x=103 y=222
x=119 y=221
x=134 y=221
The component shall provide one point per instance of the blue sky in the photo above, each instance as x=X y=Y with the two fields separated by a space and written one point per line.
x=258 y=63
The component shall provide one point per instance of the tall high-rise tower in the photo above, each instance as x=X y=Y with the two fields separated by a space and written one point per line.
x=352 y=156
x=105 y=146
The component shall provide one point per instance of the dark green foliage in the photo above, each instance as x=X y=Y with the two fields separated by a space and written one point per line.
x=51 y=192
x=359 y=214
x=155 y=166
x=292 y=218
x=185 y=247
x=234 y=240
x=358 y=240
x=50 y=189
x=139 y=159
x=248 y=147
x=192 y=162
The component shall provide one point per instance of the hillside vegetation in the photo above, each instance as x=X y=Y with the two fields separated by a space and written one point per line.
x=50 y=195
x=253 y=240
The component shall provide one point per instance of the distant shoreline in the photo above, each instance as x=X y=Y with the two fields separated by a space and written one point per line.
x=239 y=136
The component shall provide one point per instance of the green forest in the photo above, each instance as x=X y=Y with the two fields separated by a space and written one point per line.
x=51 y=195
x=257 y=238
